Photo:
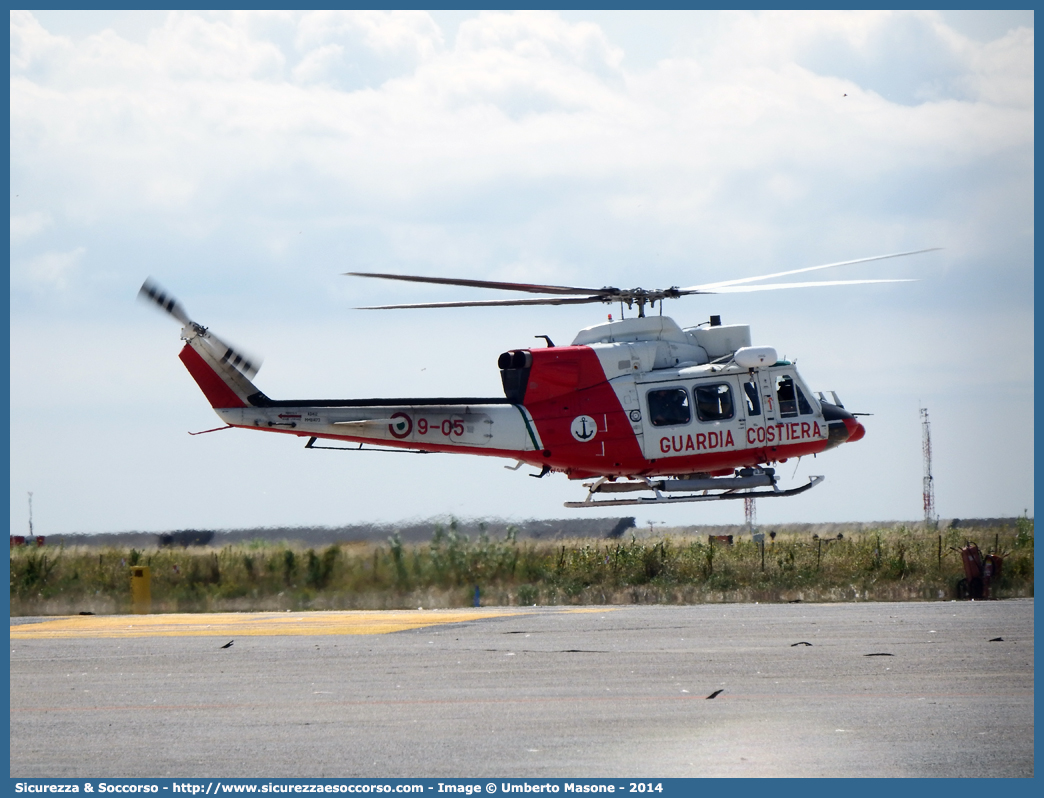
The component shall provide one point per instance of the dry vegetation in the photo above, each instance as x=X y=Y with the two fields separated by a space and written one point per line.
x=872 y=565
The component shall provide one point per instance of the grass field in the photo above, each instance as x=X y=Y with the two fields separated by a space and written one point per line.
x=896 y=563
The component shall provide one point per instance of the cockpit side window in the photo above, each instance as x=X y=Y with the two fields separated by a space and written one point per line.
x=785 y=396
x=669 y=407
x=714 y=402
x=753 y=401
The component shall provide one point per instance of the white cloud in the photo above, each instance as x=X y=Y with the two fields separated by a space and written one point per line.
x=388 y=33
x=319 y=63
x=32 y=46
x=48 y=271
x=1002 y=70
x=350 y=50
x=26 y=225
x=520 y=96
x=905 y=57
x=193 y=48
x=539 y=36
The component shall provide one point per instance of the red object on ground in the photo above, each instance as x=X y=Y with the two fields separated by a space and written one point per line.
x=991 y=570
x=971 y=559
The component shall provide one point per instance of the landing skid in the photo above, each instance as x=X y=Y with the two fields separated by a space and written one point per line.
x=710 y=489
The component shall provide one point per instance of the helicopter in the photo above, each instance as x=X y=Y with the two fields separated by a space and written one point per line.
x=647 y=411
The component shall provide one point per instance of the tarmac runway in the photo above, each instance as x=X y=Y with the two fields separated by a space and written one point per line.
x=883 y=689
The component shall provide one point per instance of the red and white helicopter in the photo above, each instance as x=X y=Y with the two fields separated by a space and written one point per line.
x=637 y=405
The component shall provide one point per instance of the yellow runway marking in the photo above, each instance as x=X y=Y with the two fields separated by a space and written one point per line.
x=243 y=624
x=231 y=624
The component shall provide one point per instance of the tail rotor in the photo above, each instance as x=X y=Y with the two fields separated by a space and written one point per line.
x=247 y=365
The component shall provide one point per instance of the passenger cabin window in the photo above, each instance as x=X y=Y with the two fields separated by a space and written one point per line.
x=753 y=402
x=714 y=402
x=791 y=398
x=669 y=407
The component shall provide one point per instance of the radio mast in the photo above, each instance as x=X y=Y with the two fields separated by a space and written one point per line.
x=930 y=519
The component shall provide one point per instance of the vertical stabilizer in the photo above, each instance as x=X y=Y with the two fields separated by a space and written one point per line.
x=214 y=371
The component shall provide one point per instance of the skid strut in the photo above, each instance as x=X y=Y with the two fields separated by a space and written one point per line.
x=743 y=486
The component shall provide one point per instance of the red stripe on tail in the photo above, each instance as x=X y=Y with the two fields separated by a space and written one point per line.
x=217 y=391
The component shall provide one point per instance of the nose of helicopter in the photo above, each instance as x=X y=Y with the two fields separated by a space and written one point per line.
x=841 y=425
x=855 y=430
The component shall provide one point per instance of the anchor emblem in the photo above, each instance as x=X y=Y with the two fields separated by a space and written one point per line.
x=584 y=428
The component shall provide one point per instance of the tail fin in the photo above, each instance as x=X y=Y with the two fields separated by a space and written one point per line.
x=219 y=371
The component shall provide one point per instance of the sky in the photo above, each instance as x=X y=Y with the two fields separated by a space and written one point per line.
x=245 y=160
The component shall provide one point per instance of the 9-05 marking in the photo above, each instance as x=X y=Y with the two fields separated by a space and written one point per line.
x=448 y=427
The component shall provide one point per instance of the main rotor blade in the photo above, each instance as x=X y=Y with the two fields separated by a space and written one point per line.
x=151 y=292
x=746 y=289
x=529 y=287
x=711 y=286
x=493 y=303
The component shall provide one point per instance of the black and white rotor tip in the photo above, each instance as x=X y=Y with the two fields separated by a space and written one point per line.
x=151 y=292
x=247 y=365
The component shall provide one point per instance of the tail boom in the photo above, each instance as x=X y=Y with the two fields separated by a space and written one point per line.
x=499 y=430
